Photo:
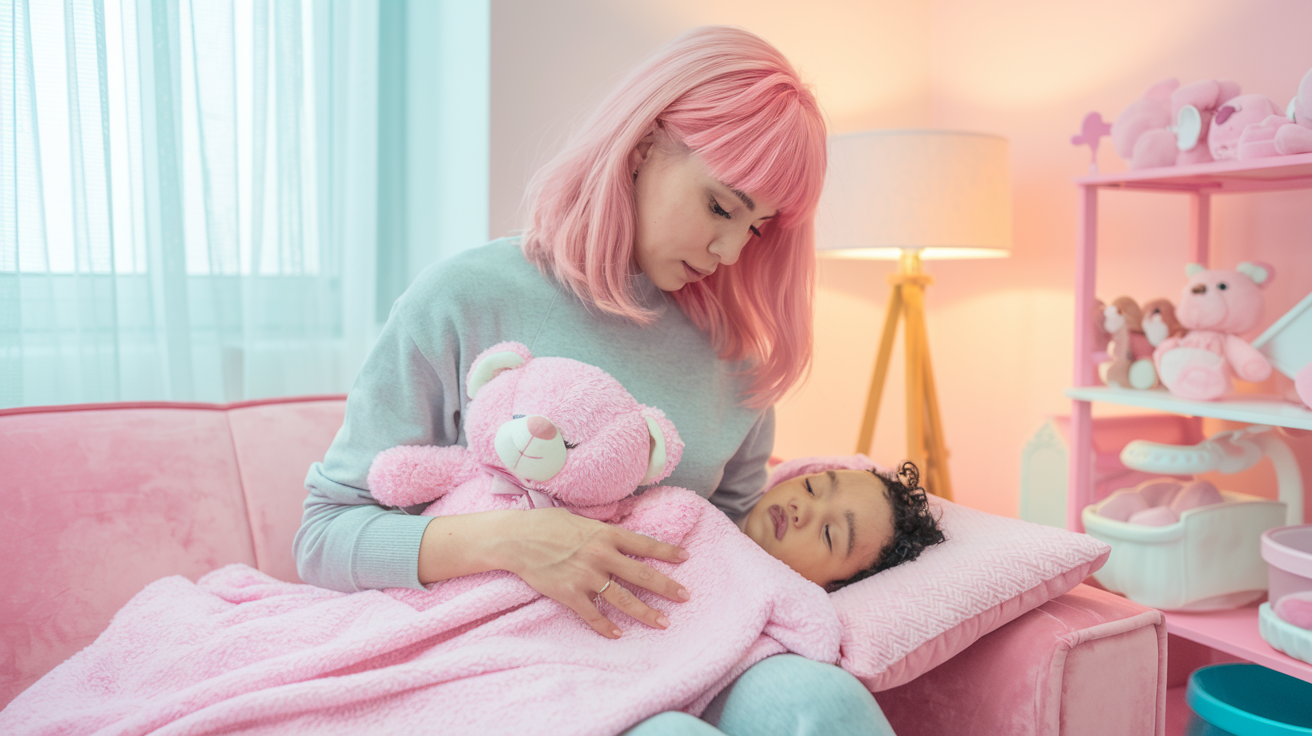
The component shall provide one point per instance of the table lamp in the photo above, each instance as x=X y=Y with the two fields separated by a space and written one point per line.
x=910 y=196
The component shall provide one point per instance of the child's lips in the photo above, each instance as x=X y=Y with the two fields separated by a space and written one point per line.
x=780 y=521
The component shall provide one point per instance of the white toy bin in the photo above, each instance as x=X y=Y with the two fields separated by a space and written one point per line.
x=1211 y=558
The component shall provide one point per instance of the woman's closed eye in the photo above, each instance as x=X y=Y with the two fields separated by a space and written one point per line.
x=717 y=209
x=829 y=542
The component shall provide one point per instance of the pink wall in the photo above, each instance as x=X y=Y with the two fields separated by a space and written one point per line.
x=1000 y=331
x=1030 y=70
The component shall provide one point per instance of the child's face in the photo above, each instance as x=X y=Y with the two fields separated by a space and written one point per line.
x=827 y=526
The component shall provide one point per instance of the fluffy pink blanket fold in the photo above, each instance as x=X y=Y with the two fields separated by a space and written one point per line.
x=242 y=652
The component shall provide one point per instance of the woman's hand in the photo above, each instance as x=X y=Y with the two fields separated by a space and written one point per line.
x=561 y=555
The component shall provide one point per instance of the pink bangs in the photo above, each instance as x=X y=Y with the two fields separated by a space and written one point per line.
x=737 y=103
x=770 y=141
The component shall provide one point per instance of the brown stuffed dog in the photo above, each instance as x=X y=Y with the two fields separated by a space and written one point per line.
x=1129 y=347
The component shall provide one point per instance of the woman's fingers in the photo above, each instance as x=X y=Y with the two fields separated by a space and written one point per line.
x=632 y=543
x=643 y=575
x=587 y=610
x=619 y=596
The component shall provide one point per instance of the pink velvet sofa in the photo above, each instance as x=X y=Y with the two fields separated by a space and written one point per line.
x=100 y=500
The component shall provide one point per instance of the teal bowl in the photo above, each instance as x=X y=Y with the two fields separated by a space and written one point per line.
x=1247 y=700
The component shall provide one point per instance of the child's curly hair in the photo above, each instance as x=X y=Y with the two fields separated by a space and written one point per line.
x=914 y=527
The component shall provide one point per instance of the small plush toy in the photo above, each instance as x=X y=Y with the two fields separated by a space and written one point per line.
x=1160 y=322
x=1129 y=351
x=1216 y=306
x=1169 y=124
x=1280 y=135
x=1232 y=118
x=1141 y=135
x=1101 y=337
x=1159 y=501
x=1297 y=138
x=542 y=432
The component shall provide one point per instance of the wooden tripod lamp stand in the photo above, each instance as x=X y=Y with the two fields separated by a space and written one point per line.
x=914 y=195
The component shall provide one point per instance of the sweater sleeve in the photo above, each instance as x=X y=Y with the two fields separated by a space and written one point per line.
x=347 y=540
x=745 y=474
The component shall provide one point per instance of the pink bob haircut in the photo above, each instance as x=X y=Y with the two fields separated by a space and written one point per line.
x=738 y=105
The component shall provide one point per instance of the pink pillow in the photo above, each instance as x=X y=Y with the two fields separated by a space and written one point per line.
x=907 y=620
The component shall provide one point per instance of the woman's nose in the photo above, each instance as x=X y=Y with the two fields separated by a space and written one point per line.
x=728 y=247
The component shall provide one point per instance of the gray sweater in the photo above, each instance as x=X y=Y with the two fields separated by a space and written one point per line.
x=411 y=391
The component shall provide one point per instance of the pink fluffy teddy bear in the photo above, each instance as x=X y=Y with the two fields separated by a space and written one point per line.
x=1169 y=124
x=1282 y=135
x=1215 y=307
x=542 y=432
x=1233 y=118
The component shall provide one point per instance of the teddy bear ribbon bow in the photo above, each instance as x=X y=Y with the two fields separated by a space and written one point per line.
x=505 y=483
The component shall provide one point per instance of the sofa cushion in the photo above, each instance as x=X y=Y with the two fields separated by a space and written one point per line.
x=276 y=442
x=1087 y=662
x=98 y=503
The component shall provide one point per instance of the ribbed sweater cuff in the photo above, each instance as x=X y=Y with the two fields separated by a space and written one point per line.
x=387 y=552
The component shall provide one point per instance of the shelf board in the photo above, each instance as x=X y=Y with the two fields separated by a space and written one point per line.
x=1234 y=631
x=1250 y=408
x=1259 y=175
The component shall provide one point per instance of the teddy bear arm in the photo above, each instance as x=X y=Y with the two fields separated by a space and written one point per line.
x=413 y=474
x=1249 y=364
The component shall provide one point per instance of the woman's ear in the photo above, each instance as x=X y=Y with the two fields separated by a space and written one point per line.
x=642 y=151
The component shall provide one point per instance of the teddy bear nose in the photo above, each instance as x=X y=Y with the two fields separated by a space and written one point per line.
x=542 y=428
x=1199 y=289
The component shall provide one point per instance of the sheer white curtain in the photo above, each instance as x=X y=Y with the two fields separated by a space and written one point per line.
x=189 y=198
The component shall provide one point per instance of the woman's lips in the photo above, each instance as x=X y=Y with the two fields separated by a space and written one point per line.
x=780 y=521
x=692 y=273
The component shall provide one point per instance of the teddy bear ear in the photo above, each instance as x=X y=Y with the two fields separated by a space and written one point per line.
x=1194 y=268
x=1260 y=273
x=666 y=447
x=499 y=357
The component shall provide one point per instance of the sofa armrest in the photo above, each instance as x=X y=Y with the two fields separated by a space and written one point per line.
x=1087 y=662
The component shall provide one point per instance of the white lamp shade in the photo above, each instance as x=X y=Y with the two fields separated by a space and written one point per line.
x=945 y=194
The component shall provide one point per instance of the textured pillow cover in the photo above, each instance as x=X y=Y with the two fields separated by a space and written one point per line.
x=907 y=620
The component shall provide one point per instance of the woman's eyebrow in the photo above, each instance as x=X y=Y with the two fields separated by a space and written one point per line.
x=751 y=204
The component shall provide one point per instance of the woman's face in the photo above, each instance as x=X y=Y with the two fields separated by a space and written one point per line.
x=689 y=223
x=827 y=526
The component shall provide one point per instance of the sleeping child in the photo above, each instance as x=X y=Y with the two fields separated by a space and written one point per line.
x=843 y=525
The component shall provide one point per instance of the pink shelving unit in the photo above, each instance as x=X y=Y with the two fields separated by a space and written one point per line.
x=1233 y=632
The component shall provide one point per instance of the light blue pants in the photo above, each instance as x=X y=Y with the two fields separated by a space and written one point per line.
x=783 y=695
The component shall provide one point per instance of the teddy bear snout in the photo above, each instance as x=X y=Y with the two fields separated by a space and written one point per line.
x=530 y=447
x=541 y=428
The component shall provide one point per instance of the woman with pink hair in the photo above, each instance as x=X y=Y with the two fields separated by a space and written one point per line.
x=671 y=245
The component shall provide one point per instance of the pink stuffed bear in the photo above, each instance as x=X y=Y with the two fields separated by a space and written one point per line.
x=1169 y=124
x=1282 y=135
x=542 y=432
x=1215 y=307
x=1231 y=120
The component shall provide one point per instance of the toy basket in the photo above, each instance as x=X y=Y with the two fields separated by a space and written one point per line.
x=1211 y=558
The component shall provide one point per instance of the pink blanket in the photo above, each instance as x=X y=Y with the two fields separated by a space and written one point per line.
x=242 y=652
